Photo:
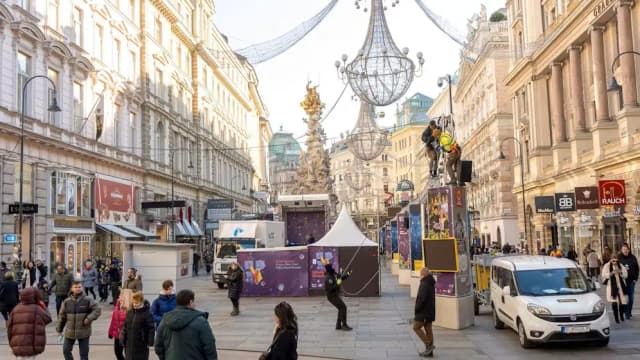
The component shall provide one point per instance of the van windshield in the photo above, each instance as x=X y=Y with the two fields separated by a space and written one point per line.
x=545 y=282
x=228 y=249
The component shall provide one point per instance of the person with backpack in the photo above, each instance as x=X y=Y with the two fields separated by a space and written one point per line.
x=138 y=332
x=26 y=328
x=164 y=303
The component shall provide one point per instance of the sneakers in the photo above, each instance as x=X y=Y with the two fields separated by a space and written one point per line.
x=428 y=352
x=235 y=312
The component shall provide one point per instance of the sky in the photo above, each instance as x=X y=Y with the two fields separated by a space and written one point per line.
x=282 y=80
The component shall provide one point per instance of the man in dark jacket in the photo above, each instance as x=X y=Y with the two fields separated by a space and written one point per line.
x=139 y=329
x=115 y=278
x=77 y=313
x=332 y=283
x=3 y=270
x=428 y=139
x=62 y=284
x=42 y=269
x=9 y=295
x=629 y=261
x=185 y=333
x=425 y=311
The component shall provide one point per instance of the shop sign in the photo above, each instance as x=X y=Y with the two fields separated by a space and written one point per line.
x=10 y=238
x=612 y=192
x=544 y=204
x=612 y=213
x=114 y=201
x=565 y=202
x=587 y=197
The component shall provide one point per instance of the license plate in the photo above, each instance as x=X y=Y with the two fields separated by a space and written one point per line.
x=575 y=329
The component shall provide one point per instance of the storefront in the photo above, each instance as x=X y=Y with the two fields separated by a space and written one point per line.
x=587 y=233
x=614 y=226
x=564 y=224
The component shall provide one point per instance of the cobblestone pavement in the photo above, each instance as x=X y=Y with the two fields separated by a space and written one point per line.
x=381 y=330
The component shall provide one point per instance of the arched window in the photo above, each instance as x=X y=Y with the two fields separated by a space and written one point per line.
x=160 y=142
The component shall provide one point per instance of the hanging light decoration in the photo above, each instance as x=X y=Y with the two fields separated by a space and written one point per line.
x=359 y=176
x=366 y=142
x=380 y=74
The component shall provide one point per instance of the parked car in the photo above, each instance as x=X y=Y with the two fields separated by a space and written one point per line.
x=546 y=299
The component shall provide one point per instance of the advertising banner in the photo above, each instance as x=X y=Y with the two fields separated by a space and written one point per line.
x=438 y=214
x=316 y=269
x=445 y=284
x=565 y=202
x=394 y=238
x=415 y=234
x=275 y=273
x=612 y=192
x=387 y=238
x=587 y=197
x=404 y=246
x=114 y=201
x=544 y=204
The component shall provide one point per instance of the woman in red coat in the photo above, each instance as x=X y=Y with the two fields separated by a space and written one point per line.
x=117 y=322
x=26 y=327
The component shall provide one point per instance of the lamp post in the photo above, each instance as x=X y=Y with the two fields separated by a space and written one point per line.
x=173 y=199
x=53 y=107
x=441 y=81
x=524 y=205
x=613 y=83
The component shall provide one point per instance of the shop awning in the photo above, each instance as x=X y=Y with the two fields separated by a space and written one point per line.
x=144 y=233
x=180 y=231
x=197 y=229
x=189 y=229
x=73 y=231
x=118 y=231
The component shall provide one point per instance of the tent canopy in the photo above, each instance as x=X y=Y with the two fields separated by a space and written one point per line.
x=344 y=233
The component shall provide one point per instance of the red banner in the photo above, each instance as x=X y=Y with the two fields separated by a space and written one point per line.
x=612 y=192
x=114 y=202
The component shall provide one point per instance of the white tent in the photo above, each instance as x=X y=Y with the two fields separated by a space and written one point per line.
x=344 y=232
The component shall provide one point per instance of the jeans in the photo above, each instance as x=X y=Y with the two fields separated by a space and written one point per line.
x=425 y=335
x=89 y=289
x=118 y=350
x=342 y=310
x=83 y=344
x=631 y=287
x=432 y=154
x=59 y=301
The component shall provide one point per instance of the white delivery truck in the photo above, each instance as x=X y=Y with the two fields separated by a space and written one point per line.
x=243 y=234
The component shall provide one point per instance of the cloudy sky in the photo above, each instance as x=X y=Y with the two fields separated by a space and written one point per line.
x=282 y=79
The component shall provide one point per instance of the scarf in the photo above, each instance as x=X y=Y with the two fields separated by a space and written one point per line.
x=618 y=285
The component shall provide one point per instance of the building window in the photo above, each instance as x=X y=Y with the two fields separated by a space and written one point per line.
x=159 y=30
x=116 y=54
x=77 y=107
x=24 y=72
x=159 y=83
x=160 y=142
x=116 y=125
x=385 y=172
x=52 y=14
x=132 y=132
x=70 y=195
x=77 y=26
x=54 y=118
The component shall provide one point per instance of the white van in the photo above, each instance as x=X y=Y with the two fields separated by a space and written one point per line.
x=546 y=299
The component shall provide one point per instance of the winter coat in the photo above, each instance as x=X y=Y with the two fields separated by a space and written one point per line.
x=29 y=278
x=117 y=321
x=285 y=346
x=609 y=277
x=9 y=295
x=425 y=309
x=185 y=333
x=592 y=260
x=631 y=264
x=42 y=271
x=62 y=284
x=89 y=278
x=103 y=277
x=234 y=282
x=331 y=283
x=73 y=312
x=138 y=333
x=135 y=284
x=26 y=326
x=162 y=305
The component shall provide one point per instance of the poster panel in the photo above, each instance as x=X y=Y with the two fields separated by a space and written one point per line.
x=404 y=246
x=445 y=284
x=114 y=202
x=415 y=233
x=394 y=239
x=438 y=213
x=275 y=273
x=316 y=269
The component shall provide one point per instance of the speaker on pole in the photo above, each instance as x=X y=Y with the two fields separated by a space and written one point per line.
x=465 y=171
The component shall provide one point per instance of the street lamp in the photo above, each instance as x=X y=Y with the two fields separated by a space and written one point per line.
x=441 y=81
x=613 y=83
x=524 y=205
x=53 y=107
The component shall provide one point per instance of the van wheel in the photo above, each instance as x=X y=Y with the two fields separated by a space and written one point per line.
x=522 y=335
x=602 y=343
x=220 y=285
x=496 y=321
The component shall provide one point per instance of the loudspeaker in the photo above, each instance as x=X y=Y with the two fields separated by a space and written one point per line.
x=465 y=171
x=406 y=221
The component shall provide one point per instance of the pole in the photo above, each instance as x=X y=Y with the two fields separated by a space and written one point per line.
x=451 y=106
x=20 y=208
x=173 y=216
x=524 y=205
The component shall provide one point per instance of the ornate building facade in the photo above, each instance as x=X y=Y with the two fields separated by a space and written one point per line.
x=576 y=132
x=284 y=157
x=169 y=98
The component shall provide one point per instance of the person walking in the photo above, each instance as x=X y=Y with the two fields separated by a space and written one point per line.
x=115 y=278
x=139 y=329
x=606 y=254
x=572 y=254
x=208 y=260
x=196 y=263
x=42 y=270
x=614 y=276
x=29 y=276
x=3 y=270
x=164 y=303
x=132 y=282
x=425 y=311
x=235 y=277
x=630 y=263
x=9 y=295
x=89 y=279
x=332 y=284
x=62 y=284
x=593 y=263
x=26 y=328
x=103 y=283
x=185 y=333
x=285 y=338
x=118 y=317
x=77 y=313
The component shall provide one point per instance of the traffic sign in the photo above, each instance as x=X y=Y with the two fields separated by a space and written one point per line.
x=10 y=238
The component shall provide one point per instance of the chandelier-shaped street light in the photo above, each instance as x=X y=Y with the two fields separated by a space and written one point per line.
x=380 y=74
x=359 y=176
x=366 y=142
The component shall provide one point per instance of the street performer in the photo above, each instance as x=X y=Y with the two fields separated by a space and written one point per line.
x=430 y=146
x=332 y=282
x=449 y=145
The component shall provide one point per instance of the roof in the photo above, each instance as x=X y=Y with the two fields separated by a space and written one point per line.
x=528 y=262
x=344 y=233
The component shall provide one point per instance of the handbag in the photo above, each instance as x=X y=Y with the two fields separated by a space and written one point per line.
x=267 y=354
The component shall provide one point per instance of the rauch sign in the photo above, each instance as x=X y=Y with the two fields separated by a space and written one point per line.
x=612 y=192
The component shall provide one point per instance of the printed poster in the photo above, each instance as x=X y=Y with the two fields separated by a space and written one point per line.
x=275 y=273
x=316 y=269
x=404 y=247
x=439 y=214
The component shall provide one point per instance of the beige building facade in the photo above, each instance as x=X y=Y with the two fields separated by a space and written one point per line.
x=576 y=132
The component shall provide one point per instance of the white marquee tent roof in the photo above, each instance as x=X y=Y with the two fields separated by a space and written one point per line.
x=344 y=233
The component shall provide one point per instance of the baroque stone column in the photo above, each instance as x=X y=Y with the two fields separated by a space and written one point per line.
x=577 y=94
x=627 y=63
x=557 y=104
x=599 y=73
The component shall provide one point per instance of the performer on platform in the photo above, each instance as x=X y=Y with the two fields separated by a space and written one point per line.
x=449 y=145
x=332 y=282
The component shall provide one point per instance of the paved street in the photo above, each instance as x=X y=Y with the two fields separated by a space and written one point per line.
x=381 y=330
